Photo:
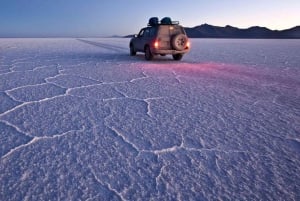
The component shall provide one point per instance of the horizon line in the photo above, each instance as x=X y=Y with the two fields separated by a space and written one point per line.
x=121 y=36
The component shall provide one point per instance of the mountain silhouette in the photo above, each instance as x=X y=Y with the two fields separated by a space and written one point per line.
x=210 y=31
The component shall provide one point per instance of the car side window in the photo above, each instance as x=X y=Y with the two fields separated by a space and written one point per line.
x=141 y=33
x=146 y=33
x=152 y=32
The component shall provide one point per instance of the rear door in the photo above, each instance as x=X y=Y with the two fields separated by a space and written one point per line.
x=164 y=38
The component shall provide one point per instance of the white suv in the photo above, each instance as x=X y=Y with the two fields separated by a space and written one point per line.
x=160 y=38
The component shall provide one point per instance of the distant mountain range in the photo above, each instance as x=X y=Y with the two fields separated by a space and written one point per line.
x=210 y=31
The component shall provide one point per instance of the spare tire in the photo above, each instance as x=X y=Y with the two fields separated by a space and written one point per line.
x=179 y=41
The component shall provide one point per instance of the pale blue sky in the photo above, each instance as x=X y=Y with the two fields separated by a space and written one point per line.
x=78 y=18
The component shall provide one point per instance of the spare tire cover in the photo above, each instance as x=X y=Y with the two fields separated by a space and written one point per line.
x=179 y=41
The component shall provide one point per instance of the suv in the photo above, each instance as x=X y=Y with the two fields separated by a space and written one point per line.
x=160 y=38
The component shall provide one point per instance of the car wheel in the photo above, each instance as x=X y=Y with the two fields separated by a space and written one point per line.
x=179 y=42
x=177 y=57
x=148 y=54
x=132 y=51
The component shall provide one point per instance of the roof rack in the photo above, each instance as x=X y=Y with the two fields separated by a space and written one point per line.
x=154 y=21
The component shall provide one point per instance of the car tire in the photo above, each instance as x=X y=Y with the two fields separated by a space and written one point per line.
x=177 y=57
x=179 y=42
x=132 y=51
x=148 y=54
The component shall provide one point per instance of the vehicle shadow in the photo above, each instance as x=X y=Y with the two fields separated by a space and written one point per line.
x=104 y=45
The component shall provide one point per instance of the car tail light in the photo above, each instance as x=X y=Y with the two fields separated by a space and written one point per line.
x=188 y=45
x=156 y=44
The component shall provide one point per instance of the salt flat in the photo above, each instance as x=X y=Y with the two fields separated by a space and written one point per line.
x=80 y=119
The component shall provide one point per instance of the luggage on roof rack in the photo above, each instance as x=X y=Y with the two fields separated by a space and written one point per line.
x=166 y=20
x=153 y=21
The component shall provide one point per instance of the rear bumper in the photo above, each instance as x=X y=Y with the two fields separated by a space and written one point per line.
x=159 y=51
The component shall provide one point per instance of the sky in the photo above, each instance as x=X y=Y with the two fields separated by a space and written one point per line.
x=97 y=18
